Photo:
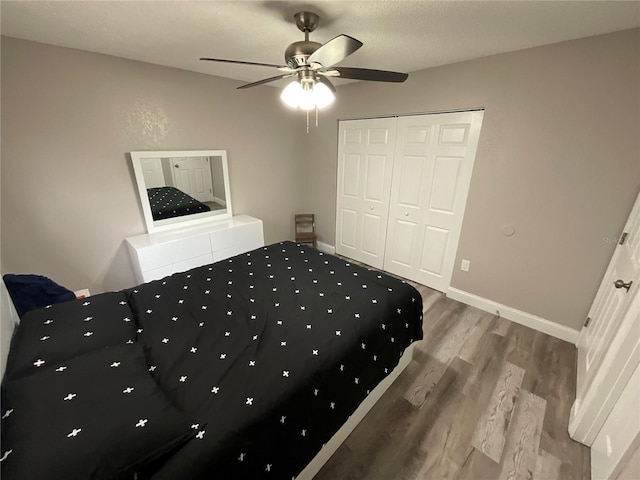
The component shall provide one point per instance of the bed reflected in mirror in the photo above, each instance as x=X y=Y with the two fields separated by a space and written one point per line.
x=182 y=188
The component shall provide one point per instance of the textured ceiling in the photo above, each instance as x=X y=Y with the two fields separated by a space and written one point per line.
x=398 y=35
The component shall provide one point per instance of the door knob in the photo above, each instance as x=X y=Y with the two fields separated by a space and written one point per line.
x=177 y=166
x=406 y=214
x=622 y=284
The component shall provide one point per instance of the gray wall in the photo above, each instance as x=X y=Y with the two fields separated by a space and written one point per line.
x=559 y=158
x=631 y=468
x=68 y=120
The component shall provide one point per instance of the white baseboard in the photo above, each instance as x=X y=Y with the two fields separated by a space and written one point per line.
x=523 y=318
x=220 y=201
x=326 y=248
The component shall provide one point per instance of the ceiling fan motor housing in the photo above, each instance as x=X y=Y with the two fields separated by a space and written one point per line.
x=297 y=53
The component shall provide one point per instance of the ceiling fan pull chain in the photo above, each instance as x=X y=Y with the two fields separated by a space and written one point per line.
x=307 y=121
x=316 y=116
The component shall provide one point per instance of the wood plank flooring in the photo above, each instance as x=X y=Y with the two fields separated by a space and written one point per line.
x=483 y=399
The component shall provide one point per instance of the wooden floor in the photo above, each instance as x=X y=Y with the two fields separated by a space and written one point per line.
x=484 y=398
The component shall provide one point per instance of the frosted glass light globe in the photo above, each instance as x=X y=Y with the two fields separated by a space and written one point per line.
x=323 y=95
x=291 y=94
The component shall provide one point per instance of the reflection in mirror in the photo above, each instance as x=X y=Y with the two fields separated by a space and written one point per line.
x=182 y=188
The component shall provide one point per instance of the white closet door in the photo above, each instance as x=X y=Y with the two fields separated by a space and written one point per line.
x=365 y=163
x=432 y=171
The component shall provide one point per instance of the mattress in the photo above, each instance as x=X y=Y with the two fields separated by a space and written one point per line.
x=263 y=357
x=169 y=202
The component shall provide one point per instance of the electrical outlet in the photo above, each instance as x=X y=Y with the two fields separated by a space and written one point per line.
x=464 y=265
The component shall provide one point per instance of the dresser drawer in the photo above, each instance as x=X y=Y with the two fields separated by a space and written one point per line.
x=239 y=238
x=243 y=245
x=182 y=266
x=173 y=252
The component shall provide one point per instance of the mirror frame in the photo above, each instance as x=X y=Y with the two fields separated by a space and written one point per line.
x=185 y=220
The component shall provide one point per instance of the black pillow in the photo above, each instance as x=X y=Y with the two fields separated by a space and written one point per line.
x=97 y=416
x=60 y=332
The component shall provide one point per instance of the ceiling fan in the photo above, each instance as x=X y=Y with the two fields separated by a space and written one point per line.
x=312 y=62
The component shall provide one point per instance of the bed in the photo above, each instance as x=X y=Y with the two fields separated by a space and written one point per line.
x=240 y=369
x=169 y=202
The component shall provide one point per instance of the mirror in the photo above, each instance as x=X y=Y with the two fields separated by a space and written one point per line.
x=182 y=188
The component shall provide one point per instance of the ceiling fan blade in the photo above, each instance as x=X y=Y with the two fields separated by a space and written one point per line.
x=266 y=80
x=371 y=75
x=334 y=51
x=240 y=62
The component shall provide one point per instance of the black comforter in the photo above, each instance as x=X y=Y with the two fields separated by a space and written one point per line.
x=266 y=354
x=169 y=202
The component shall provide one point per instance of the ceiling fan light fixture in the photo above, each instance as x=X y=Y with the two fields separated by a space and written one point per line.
x=307 y=95
x=312 y=62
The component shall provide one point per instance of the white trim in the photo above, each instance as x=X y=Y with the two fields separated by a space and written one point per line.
x=326 y=248
x=523 y=318
x=411 y=114
x=329 y=448
x=219 y=200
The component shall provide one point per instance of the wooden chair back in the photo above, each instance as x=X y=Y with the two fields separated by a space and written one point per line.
x=305 y=229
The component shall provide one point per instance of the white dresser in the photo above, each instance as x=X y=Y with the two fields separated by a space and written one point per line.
x=157 y=255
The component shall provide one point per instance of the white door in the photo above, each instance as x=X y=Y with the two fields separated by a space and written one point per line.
x=618 y=434
x=432 y=171
x=152 y=172
x=610 y=337
x=611 y=302
x=365 y=162
x=192 y=175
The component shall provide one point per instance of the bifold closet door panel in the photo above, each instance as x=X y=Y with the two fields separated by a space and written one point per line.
x=432 y=171
x=365 y=166
x=433 y=163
